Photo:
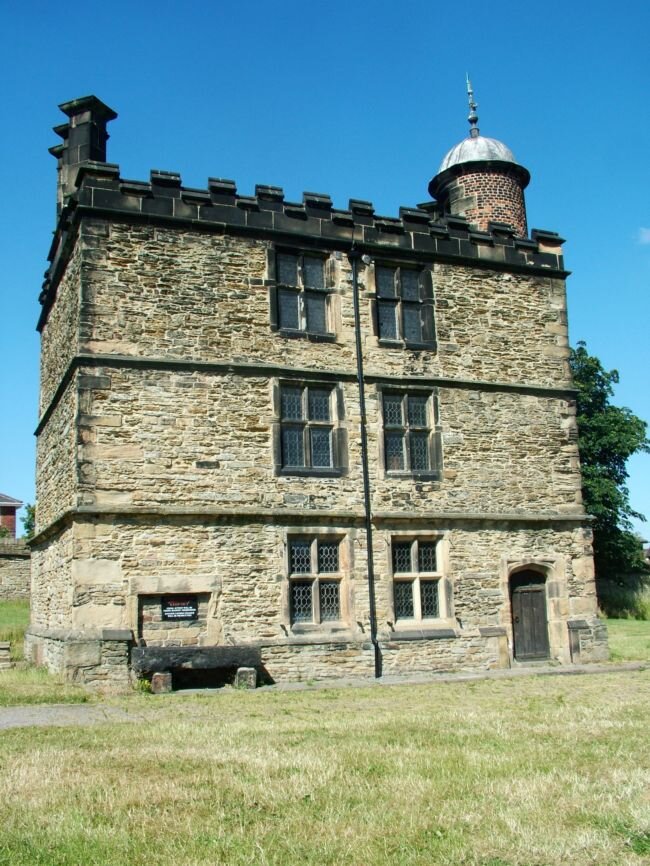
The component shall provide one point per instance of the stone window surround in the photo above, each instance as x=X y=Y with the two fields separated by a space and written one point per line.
x=434 y=473
x=332 y=296
x=329 y=628
x=427 y=301
x=445 y=619
x=339 y=443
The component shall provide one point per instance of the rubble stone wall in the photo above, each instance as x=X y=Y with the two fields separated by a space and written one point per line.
x=14 y=569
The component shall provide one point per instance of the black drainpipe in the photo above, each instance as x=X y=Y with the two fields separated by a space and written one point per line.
x=354 y=256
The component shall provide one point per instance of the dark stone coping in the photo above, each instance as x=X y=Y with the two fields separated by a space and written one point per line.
x=421 y=634
x=413 y=235
x=492 y=631
x=14 y=548
x=258 y=369
x=70 y=635
x=576 y=624
x=160 y=659
x=225 y=515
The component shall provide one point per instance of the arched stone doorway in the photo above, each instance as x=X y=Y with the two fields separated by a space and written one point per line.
x=529 y=615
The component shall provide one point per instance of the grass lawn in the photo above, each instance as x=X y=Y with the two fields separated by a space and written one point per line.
x=25 y=685
x=14 y=619
x=539 y=771
x=629 y=639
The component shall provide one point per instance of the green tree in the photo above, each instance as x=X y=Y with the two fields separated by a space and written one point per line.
x=29 y=520
x=607 y=436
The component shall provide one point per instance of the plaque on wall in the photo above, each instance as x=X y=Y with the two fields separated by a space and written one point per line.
x=176 y=607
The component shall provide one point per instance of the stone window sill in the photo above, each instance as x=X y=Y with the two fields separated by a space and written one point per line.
x=408 y=634
x=386 y=343
x=429 y=475
x=307 y=335
x=308 y=472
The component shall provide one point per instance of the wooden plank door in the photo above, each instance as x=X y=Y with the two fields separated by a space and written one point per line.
x=529 y=620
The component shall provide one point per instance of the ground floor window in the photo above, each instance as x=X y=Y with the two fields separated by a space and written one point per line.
x=314 y=580
x=416 y=579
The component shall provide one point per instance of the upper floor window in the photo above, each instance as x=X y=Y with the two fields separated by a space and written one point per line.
x=410 y=442
x=404 y=305
x=301 y=299
x=310 y=438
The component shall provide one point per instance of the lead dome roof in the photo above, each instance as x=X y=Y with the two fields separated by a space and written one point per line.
x=476 y=148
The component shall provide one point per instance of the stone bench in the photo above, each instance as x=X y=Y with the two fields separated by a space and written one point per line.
x=162 y=662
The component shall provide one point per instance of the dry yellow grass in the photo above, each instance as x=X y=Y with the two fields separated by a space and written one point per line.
x=528 y=772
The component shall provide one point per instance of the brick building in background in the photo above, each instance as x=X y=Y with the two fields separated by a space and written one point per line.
x=8 y=509
x=335 y=442
x=14 y=553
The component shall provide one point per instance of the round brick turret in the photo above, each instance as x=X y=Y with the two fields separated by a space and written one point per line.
x=484 y=192
x=479 y=179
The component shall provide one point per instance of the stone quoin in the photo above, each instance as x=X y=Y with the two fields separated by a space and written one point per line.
x=242 y=396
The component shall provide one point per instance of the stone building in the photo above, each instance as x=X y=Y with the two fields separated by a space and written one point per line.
x=334 y=442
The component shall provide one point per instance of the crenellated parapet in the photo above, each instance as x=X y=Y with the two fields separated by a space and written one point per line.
x=420 y=232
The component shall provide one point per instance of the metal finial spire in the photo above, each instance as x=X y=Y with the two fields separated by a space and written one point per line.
x=473 y=116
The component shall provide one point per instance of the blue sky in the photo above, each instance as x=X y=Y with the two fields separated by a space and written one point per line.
x=355 y=99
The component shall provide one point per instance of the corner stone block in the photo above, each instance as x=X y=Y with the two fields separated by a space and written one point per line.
x=82 y=654
x=246 y=678
x=161 y=683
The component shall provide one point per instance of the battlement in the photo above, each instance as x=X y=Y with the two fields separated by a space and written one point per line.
x=419 y=232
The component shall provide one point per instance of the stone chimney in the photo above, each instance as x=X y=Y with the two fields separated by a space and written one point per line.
x=84 y=138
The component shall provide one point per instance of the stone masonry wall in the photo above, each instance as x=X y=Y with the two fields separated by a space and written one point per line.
x=52 y=586
x=59 y=338
x=14 y=569
x=240 y=568
x=57 y=468
x=168 y=293
x=502 y=452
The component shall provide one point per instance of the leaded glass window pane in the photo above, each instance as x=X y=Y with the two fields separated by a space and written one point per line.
x=410 y=285
x=329 y=600
x=387 y=320
x=429 y=598
x=293 y=449
x=319 y=404
x=288 y=309
x=402 y=557
x=316 y=313
x=321 y=449
x=419 y=443
x=417 y=411
x=291 y=404
x=300 y=557
x=393 y=410
x=301 y=601
x=394 y=448
x=412 y=323
x=328 y=557
x=313 y=273
x=385 y=282
x=427 y=556
x=403 y=599
x=287 y=267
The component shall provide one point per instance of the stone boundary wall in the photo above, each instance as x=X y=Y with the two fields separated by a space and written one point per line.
x=15 y=569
